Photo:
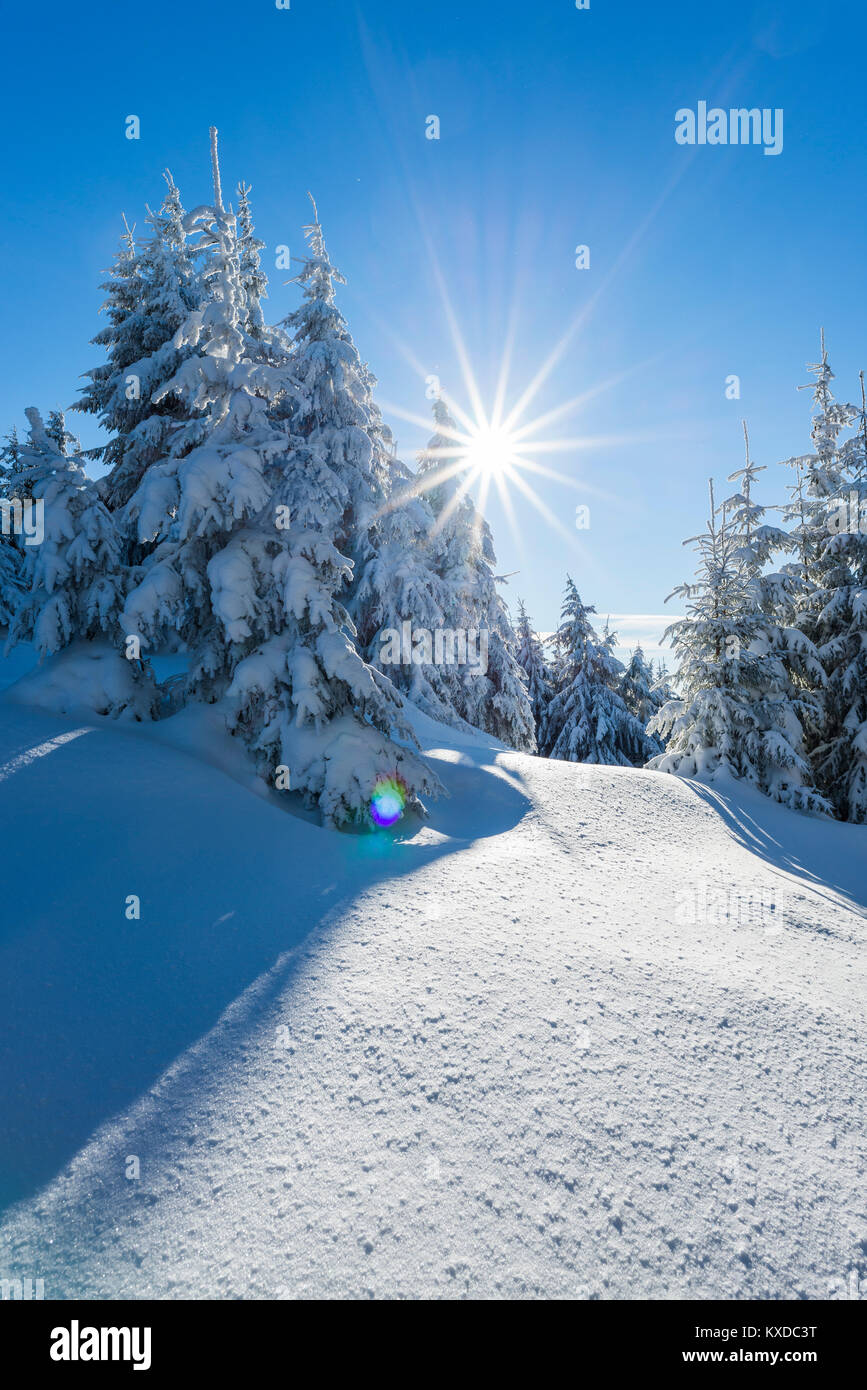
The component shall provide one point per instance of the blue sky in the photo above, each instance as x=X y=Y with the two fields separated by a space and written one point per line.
x=556 y=129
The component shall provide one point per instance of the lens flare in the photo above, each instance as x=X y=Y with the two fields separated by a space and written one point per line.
x=388 y=802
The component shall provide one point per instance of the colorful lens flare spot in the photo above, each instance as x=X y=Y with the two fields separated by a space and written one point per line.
x=388 y=802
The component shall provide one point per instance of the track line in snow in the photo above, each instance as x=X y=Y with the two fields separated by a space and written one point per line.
x=41 y=750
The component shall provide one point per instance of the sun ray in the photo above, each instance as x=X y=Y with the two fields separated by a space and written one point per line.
x=484 y=490
x=546 y=369
x=458 y=340
x=541 y=507
x=503 y=375
x=585 y=441
x=558 y=351
x=455 y=501
x=422 y=483
x=578 y=484
x=423 y=421
x=509 y=508
x=571 y=406
x=470 y=425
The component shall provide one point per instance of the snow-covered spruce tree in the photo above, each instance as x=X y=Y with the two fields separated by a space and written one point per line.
x=122 y=339
x=332 y=406
x=662 y=681
x=813 y=588
x=531 y=659
x=588 y=721
x=383 y=529
x=398 y=591
x=840 y=756
x=662 y=689
x=55 y=427
x=254 y=281
x=814 y=497
x=11 y=464
x=737 y=714
x=304 y=699
x=637 y=691
x=335 y=410
x=151 y=295
x=11 y=561
x=498 y=701
x=772 y=596
x=758 y=542
x=14 y=495
x=14 y=484
x=74 y=579
x=401 y=602
x=72 y=576
x=246 y=568
x=461 y=554
x=190 y=502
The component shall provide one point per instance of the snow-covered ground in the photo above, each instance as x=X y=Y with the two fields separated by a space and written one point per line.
x=519 y=1052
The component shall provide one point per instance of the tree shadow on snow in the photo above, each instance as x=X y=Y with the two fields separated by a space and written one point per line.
x=95 y=1005
x=829 y=855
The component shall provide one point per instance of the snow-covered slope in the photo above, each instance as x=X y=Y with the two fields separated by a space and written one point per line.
x=510 y=1053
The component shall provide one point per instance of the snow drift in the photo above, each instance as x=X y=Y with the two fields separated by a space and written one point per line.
x=590 y=1032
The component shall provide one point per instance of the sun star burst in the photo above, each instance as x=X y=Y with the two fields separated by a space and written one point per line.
x=500 y=449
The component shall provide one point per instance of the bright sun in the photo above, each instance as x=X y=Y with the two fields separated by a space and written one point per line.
x=489 y=451
x=496 y=448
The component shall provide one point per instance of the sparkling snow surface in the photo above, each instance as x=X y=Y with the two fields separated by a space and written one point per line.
x=483 y=1058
